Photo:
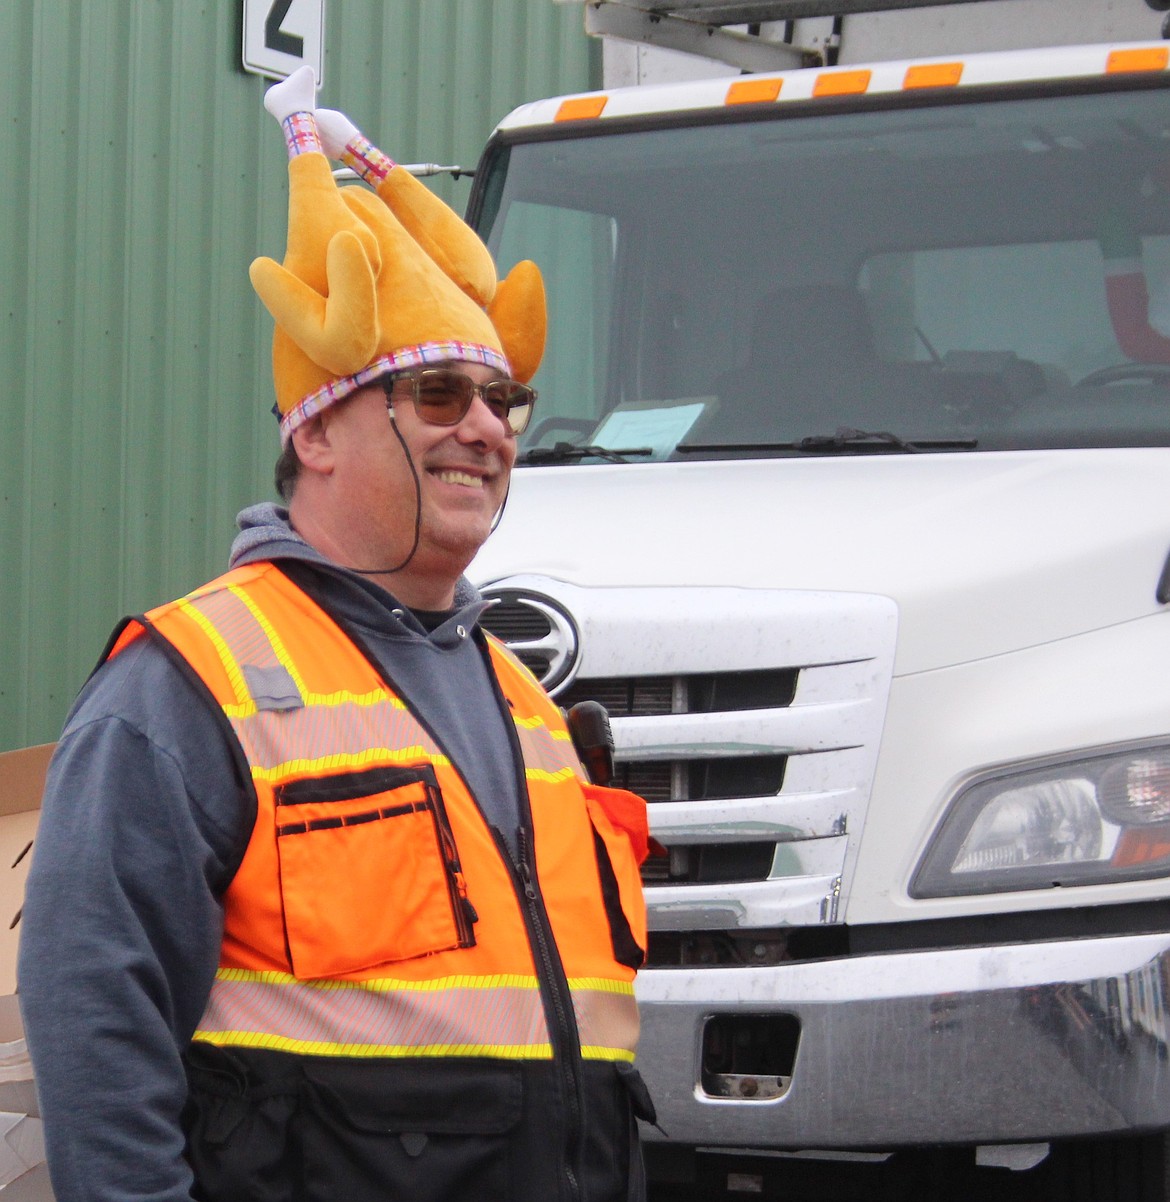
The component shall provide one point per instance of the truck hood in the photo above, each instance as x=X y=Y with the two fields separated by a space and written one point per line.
x=983 y=553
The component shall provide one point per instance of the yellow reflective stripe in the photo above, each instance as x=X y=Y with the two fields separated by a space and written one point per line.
x=221 y=615
x=232 y=649
x=325 y=700
x=607 y=1017
x=601 y=985
x=359 y=759
x=536 y=1051
x=494 y=1015
x=456 y=1012
x=552 y=778
x=226 y=658
x=537 y=722
x=322 y=732
x=592 y=1053
x=384 y=984
x=237 y=625
x=457 y=981
x=376 y=697
x=311 y=1047
x=548 y=754
x=274 y=640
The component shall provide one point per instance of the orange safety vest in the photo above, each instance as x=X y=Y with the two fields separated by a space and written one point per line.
x=374 y=914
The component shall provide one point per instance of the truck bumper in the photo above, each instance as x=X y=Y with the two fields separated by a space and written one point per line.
x=978 y=1045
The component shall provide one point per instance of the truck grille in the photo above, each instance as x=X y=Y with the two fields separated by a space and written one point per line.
x=749 y=720
x=703 y=693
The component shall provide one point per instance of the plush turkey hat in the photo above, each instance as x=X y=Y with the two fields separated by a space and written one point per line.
x=376 y=282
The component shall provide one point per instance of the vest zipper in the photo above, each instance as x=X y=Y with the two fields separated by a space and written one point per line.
x=554 y=985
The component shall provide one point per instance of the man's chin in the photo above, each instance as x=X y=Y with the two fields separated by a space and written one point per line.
x=455 y=542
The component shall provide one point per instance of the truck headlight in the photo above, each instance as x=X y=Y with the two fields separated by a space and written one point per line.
x=1084 y=821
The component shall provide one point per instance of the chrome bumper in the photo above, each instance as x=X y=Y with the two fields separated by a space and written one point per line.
x=980 y=1045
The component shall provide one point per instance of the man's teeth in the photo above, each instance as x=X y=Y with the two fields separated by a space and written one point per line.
x=451 y=477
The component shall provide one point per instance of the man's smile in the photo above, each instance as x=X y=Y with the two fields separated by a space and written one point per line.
x=456 y=476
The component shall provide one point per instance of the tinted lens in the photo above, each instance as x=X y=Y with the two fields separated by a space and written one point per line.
x=442 y=396
x=511 y=402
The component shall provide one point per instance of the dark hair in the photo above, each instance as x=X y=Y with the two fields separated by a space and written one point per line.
x=287 y=472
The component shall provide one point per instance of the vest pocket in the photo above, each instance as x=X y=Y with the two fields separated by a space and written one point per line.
x=369 y=871
x=626 y=949
x=621 y=883
x=429 y=1131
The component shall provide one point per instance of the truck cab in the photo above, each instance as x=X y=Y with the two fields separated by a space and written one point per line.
x=848 y=495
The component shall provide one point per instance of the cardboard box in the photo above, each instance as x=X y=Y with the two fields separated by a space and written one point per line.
x=23 y=1175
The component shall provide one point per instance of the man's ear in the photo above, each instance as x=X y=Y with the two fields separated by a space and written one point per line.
x=313 y=445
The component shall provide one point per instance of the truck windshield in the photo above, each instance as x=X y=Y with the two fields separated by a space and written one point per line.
x=963 y=276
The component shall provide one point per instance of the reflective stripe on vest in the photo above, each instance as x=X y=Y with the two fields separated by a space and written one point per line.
x=460 y=1016
x=373 y=913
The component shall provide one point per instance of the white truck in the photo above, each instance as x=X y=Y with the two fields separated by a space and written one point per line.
x=848 y=494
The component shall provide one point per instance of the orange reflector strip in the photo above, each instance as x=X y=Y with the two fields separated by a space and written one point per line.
x=1148 y=58
x=581 y=108
x=1141 y=845
x=933 y=75
x=753 y=91
x=841 y=83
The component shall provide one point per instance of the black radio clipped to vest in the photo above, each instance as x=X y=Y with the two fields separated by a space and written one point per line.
x=588 y=724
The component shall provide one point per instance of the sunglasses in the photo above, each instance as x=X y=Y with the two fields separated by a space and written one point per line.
x=443 y=395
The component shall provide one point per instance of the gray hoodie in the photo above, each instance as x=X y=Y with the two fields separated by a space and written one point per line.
x=144 y=822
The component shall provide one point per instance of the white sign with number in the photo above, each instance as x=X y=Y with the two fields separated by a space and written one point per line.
x=282 y=35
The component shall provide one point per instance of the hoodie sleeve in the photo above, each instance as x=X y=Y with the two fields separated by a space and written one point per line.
x=142 y=823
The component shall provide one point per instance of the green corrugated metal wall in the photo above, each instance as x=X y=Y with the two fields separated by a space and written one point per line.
x=140 y=176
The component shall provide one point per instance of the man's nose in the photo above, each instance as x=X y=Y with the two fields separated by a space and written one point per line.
x=481 y=425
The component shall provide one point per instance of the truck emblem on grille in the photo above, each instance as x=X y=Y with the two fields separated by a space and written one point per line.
x=537 y=630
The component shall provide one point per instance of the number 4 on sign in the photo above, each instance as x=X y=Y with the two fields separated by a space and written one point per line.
x=282 y=35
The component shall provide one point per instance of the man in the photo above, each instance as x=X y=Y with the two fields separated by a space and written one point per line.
x=322 y=906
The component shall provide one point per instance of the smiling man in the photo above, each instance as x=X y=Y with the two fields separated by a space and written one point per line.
x=323 y=905
x=448 y=448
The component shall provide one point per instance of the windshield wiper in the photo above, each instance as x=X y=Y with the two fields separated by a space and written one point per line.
x=567 y=452
x=846 y=440
x=849 y=439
